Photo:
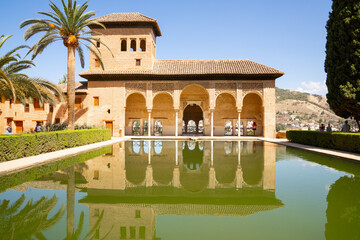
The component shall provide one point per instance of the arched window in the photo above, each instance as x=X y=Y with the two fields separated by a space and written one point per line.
x=136 y=146
x=158 y=128
x=123 y=45
x=158 y=147
x=136 y=128
x=201 y=126
x=228 y=128
x=143 y=45
x=146 y=127
x=201 y=146
x=191 y=145
x=228 y=147
x=249 y=128
x=191 y=127
x=133 y=45
x=237 y=128
x=146 y=147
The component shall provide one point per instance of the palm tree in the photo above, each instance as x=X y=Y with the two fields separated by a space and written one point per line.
x=29 y=221
x=70 y=25
x=18 y=86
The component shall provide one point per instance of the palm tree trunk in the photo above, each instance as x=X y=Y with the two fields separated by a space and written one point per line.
x=71 y=87
x=70 y=201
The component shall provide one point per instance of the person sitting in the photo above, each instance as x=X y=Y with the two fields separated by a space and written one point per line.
x=322 y=127
x=345 y=127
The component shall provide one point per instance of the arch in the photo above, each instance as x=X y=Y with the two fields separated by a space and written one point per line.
x=195 y=94
x=134 y=92
x=163 y=164
x=252 y=110
x=191 y=116
x=123 y=45
x=135 y=164
x=252 y=163
x=135 y=110
x=163 y=110
x=252 y=92
x=225 y=93
x=225 y=115
x=225 y=161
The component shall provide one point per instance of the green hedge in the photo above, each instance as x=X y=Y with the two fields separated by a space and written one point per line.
x=349 y=142
x=25 y=145
x=34 y=173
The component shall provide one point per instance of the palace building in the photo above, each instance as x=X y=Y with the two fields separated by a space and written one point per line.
x=137 y=94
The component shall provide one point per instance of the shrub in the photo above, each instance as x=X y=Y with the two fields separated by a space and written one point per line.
x=349 y=142
x=25 y=145
x=55 y=127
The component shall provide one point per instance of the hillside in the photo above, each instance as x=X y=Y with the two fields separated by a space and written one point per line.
x=298 y=110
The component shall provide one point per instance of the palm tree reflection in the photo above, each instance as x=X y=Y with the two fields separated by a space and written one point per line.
x=30 y=221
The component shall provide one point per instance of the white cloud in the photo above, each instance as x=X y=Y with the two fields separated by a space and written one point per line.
x=313 y=87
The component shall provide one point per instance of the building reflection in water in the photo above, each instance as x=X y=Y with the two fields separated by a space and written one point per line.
x=143 y=179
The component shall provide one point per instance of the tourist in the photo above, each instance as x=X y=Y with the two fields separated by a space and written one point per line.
x=322 y=127
x=345 y=127
x=328 y=128
x=254 y=128
x=38 y=127
x=9 y=130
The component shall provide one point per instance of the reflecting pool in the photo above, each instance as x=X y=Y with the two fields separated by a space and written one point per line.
x=184 y=190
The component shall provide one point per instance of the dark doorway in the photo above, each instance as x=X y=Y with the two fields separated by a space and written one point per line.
x=194 y=114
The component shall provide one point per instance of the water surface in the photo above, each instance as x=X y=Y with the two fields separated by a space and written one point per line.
x=185 y=190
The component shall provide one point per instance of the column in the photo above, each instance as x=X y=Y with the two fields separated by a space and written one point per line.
x=176 y=122
x=234 y=127
x=149 y=152
x=212 y=153
x=212 y=122
x=239 y=123
x=176 y=153
x=149 y=122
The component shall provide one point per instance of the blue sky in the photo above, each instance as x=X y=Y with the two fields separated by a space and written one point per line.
x=286 y=35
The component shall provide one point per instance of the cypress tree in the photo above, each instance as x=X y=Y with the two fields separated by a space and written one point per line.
x=342 y=63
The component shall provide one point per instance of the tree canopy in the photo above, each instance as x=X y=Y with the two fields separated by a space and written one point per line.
x=342 y=63
x=68 y=22
x=16 y=85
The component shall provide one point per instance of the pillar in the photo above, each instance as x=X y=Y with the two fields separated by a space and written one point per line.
x=239 y=124
x=176 y=122
x=149 y=152
x=149 y=122
x=212 y=122
x=176 y=153
x=149 y=176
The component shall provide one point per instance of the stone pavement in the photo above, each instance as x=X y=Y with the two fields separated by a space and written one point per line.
x=28 y=162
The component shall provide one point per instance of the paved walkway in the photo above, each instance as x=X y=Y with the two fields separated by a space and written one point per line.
x=28 y=162
x=331 y=152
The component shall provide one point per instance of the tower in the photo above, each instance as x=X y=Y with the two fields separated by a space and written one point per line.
x=131 y=37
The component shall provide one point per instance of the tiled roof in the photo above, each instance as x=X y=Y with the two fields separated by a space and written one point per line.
x=197 y=67
x=131 y=17
x=80 y=87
